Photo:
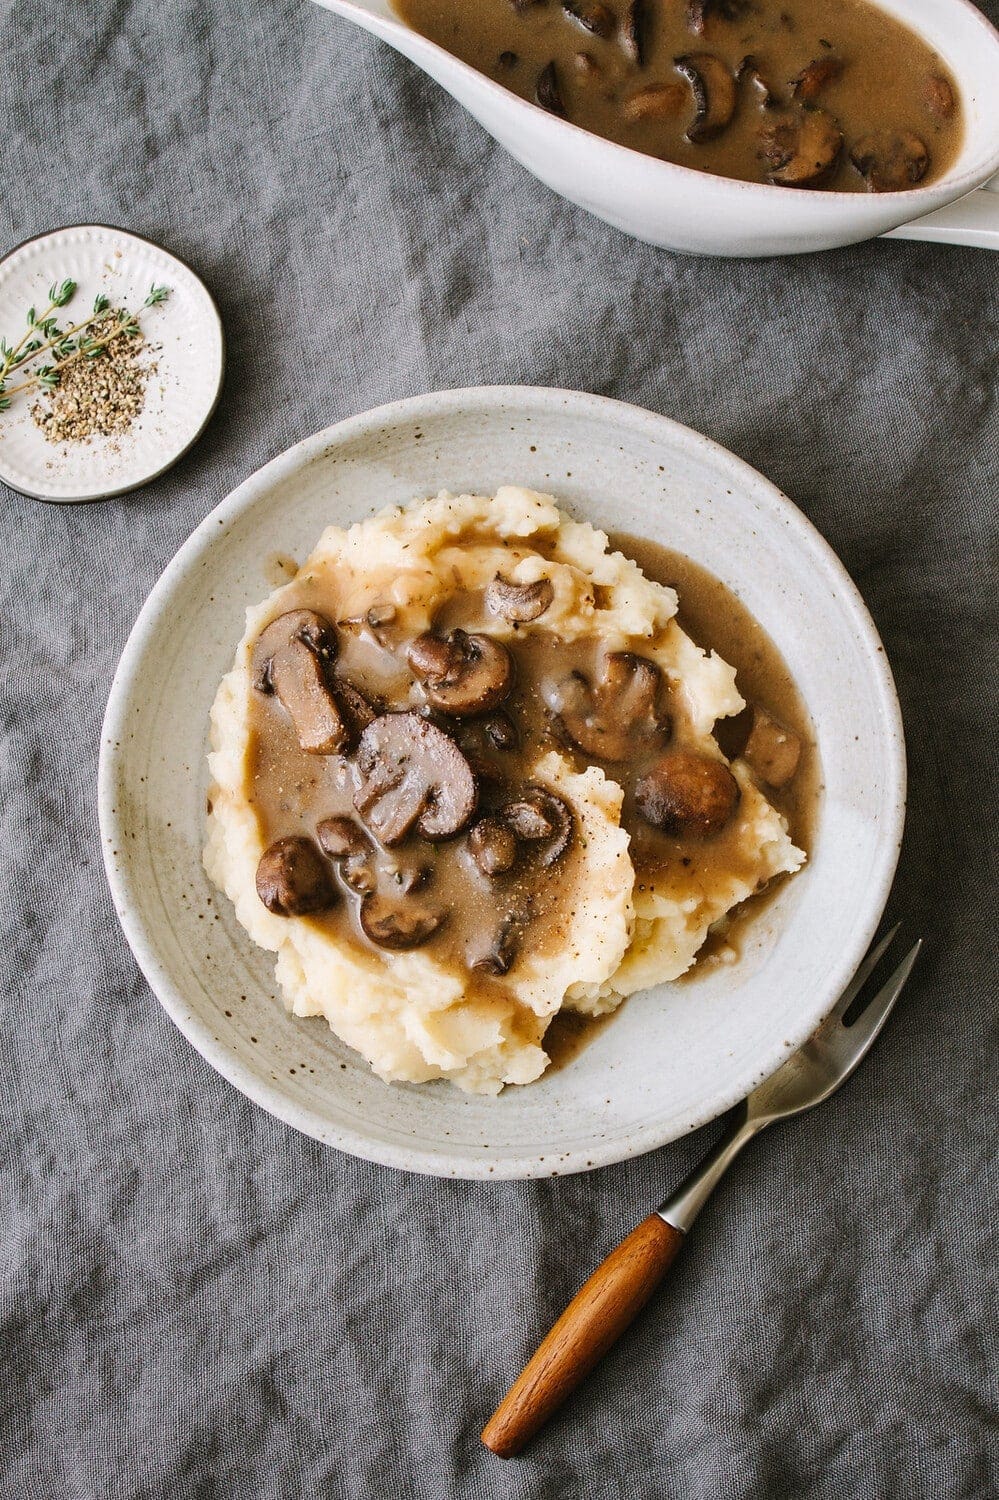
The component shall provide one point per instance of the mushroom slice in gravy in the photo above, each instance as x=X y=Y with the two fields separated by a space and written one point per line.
x=713 y=86
x=772 y=750
x=801 y=148
x=542 y=819
x=291 y=660
x=412 y=774
x=891 y=163
x=620 y=713
x=461 y=674
x=687 y=795
x=519 y=602
x=292 y=880
x=635 y=31
x=820 y=73
x=396 y=924
x=592 y=15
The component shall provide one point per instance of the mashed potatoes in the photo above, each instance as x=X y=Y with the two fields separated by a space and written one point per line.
x=418 y=1014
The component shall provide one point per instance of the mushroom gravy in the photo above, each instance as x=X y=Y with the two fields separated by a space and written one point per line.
x=496 y=868
x=800 y=93
x=717 y=620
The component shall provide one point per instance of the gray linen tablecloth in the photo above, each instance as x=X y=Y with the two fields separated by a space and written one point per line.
x=198 y=1302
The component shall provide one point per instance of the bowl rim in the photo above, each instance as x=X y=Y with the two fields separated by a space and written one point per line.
x=410 y=411
x=945 y=189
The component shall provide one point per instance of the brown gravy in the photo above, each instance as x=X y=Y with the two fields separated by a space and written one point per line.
x=293 y=790
x=805 y=93
x=717 y=620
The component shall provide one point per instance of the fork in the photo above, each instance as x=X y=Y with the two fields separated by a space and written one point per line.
x=620 y=1287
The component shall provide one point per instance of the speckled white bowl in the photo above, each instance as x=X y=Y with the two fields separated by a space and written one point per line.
x=673 y=1057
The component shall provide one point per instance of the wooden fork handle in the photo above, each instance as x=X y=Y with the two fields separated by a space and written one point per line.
x=594 y=1320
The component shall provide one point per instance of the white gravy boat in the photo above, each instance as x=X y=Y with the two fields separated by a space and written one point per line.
x=681 y=209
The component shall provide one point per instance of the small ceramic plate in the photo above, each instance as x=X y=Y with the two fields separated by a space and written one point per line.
x=673 y=1057
x=184 y=341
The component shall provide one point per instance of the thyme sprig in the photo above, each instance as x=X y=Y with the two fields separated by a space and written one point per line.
x=67 y=345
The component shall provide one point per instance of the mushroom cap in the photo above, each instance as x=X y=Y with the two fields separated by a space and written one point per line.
x=493 y=846
x=620 y=714
x=539 y=817
x=687 y=795
x=635 y=32
x=341 y=837
x=293 y=879
x=548 y=91
x=519 y=602
x=592 y=15
x=291 y=658
x=304 y=625
x=298 y=678
x=412 y=773
x=801 y=147
x=819 y=73
x=397 y=924
x=891 y=161
x=461 y=674
x=713 y=85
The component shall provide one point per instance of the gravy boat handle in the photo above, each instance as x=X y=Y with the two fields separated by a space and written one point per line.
x=972 y=220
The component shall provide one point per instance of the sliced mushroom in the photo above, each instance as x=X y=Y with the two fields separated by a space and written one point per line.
x=501 y=732
x=397 y=924
x=358 y=709
x=772 y=750
x=687 y=795
x=713 y=86
x=802 y=148
x=586 y=67
x=305 y=625
x=291 y=659
x=699 y=12
x=340 y=837
x=539 y=817
x=293 y=880
x=480 y=739
x=347 y=843
x=412 y=774
x=519 y=602
x=660 y=101
x=299 y=680
x=493 y=846
x=891 y=163
x=461 y=674
x=375 y=623
x=619 y=715
x=635 y=27
x=592 y=15
x=498 y=957
x=749 y=69
x=548 y=92
x=938 y=95
x=818 y=75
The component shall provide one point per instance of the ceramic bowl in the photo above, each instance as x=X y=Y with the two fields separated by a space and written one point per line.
x=682 y=209
x=673 y=1057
